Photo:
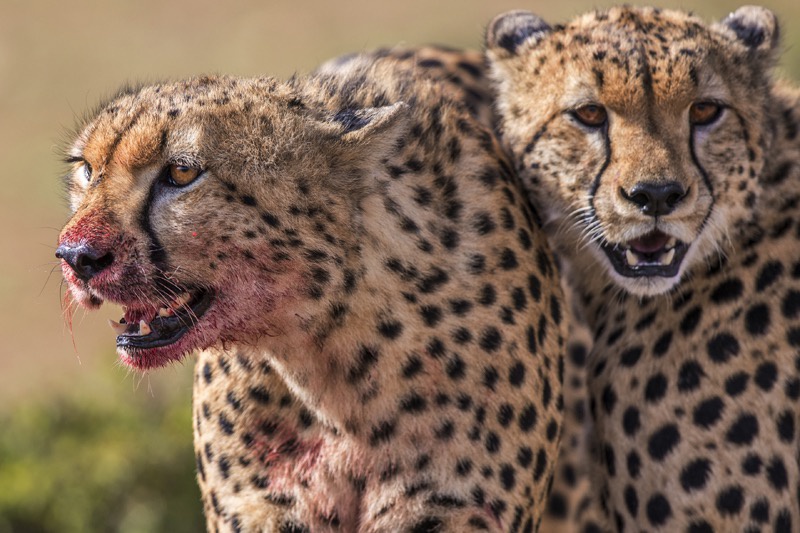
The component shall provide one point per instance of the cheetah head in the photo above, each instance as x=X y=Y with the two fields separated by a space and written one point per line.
x=639 y=132
x=215 y=208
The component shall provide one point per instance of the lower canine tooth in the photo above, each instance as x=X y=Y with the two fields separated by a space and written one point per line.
x=117 y=327
x=144 y=328
x=630 y=257
x=672 y=242
x=667 y=258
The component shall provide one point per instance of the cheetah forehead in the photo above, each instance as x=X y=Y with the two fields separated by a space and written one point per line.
x=626 y=54
x=167 y=121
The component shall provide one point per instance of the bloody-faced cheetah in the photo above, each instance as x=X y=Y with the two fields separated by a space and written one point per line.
x=666 y=160
x=381 y=314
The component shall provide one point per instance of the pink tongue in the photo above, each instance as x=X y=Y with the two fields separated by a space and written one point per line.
x=647 y=244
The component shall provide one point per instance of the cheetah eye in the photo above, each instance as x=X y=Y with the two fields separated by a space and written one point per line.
x=592 y=115
x=181 y=175
x=704 y=113
x=87 y=171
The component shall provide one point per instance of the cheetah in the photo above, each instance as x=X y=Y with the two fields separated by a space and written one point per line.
x=664 y=159
x=378 y=313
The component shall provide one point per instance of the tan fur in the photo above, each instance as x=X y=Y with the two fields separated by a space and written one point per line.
x=384 y=347
x=694 y=387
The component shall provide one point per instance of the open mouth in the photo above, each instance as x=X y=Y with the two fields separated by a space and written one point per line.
x=654 y=254
x=164 y=326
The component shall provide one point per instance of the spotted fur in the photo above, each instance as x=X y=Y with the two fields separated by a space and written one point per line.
x=383 y=347
x=693 y=377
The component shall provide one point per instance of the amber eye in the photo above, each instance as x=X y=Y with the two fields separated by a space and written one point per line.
x=704 y=113
x=591 y=115
x=182 y=175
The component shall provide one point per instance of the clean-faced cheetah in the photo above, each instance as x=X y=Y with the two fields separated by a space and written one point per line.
x=381 y=314
x=665 y=159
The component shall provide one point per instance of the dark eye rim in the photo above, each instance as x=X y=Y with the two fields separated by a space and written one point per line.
x=713 y=118
x=574 y=113
x=166 y=176
x=88 y=171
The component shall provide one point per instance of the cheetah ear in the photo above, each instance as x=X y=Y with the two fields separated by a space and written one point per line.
x=363 y=125
x=512 y=33
x=365 y=136
x=754 y=27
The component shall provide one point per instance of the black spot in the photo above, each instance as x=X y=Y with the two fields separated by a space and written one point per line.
x=430 y=524
x=694 y=476
x=736 y=384
x=383 y=432
x=260 y=394
x=662 y=344
x=490 y=377
x=367 y=358
x=658 y=510
x=527 y=418
x=708 y=412
x=663 y=441
x=507 y=476
x=766 y=375
x=248 y=200
x=690 y=320
x=207 y=374
x=391 y=329
x=488 y=295
x=225 y=425
x=783 y=522
x=727 y=291
x=730 y=500
x=689 y=376
x=785 y=426
x=776 y=474
x=768 y=274
x=431 y=315
x=413 y=403
x=791 y=304
x=757 y=319
x=656 y=388
x=412 y=367
x=759 y=511
x=491 y=339
x=631 y=501
x=631 y=421
x=609 y=399
x=630 y=356
x=743 y=430
x=722 y=347
x=516 y=374
x=634 y=464
x=456 y=367
x=751 y=464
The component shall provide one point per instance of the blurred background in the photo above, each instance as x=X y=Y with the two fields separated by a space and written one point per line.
x=86 y=445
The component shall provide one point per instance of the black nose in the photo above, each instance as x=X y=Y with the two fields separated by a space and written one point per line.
x=655 y=199
x=84 y=260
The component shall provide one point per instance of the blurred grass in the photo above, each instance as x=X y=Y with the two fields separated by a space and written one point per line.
x=79 y=463
x=81 y=447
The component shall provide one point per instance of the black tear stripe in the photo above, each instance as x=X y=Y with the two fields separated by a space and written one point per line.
x=598 y=177
x=158 y=255
x=706 y=179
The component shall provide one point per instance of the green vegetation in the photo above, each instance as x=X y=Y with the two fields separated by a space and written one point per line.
x=82 y=464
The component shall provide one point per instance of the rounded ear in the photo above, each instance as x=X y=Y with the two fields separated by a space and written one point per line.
x=754 y=27
x=360 y=125
x=361 y=138
x=511 y=33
